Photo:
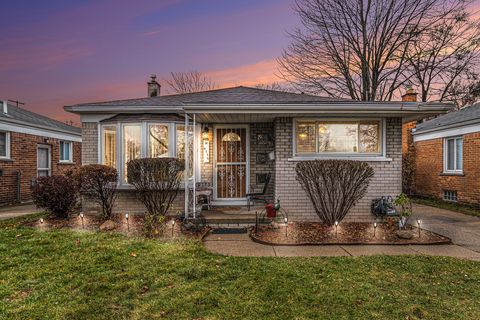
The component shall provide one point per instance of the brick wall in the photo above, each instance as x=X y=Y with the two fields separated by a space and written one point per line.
x=386 y=181
x=23 y=151
x=429 y=179
x=90 y=143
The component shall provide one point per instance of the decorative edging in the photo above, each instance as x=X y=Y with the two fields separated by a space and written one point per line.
x=438 y=242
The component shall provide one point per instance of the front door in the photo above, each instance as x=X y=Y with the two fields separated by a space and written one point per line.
x=231 y=162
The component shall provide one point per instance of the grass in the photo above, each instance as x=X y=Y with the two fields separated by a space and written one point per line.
x=83 y=275
x=453 y=206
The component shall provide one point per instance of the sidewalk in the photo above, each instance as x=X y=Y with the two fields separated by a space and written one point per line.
x=17 y=211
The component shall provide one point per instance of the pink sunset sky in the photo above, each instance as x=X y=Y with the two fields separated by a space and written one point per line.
x=57 y=53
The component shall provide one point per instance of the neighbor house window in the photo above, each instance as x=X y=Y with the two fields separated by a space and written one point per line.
x=4 y=144
x=44 y=166
x=449 y=195
x=142 y=140
x=66 y=151
x=453 y=155
x=338 y=137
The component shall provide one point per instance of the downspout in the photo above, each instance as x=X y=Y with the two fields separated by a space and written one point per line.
x=193 y=164
x=19 y=189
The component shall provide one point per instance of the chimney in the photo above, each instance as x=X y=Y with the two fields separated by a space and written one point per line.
x=5 y=107
x=410 y=94
x=153 y=86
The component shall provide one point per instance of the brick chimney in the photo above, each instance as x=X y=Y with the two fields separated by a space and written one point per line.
x=153 y=86
x=410 y=94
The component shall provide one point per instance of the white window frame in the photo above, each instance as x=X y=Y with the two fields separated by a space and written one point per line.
x=49 y=160
x=455 y=170
x=7 y=145
x=320 y=155
x=70 y=146
x=144 y=141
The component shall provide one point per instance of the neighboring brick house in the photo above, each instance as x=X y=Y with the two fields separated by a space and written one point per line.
x=32 y=145
x=237 y=135
x=447 y=156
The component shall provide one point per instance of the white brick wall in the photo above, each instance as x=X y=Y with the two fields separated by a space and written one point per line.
x=386 y=181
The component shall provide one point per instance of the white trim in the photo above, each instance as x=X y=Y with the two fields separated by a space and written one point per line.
x=366 y=159
x=247 y=159
x=49 y=168
x=70 y=146
x=339 y=155
x=444 y=133
x=95 y=117
x=7 y=145
x=454 y=171
x=39 y=132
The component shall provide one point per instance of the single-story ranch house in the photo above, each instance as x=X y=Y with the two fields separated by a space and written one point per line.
x=447 y=156
x=237 y=137
x=32 y=145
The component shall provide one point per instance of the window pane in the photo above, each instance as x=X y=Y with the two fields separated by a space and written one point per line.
x=450 y=154
x=337 y=137
x=66 y=151
x=3 y=144
x=110 y=146
x=369 y=137
x=305 y=138
x=181 y=146
x=131 y=144
x=459 y=151
x=42 y=158
x=62 y=155
x=158 y=141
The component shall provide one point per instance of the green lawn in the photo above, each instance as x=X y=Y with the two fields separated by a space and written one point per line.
x=457 y=207
x=82 y=275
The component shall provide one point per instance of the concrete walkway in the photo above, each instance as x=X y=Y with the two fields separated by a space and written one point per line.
x=462 y=229
x=18 y=211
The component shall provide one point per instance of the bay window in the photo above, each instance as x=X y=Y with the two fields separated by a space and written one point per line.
x=141 y=140
x=453 y=155
x=317 y=137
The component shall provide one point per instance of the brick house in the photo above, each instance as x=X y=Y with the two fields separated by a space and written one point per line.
x=447 y=156
x=235 y=136
x=32 y=145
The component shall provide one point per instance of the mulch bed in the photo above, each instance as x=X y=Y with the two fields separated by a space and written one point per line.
x=311 y=233
x=133 y=229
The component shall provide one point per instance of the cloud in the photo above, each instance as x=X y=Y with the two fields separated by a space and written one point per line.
x=262 y=72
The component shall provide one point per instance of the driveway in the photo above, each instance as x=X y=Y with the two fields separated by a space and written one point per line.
x=17 y=211
x=464 y=230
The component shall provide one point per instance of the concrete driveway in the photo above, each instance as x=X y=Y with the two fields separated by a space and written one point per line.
x=18 y=211
x=464 y=230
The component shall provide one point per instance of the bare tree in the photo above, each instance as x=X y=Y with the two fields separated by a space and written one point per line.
x=445 y=54
x=464 y=92
x=191 y=81
x=356 y=48
x=275 y=86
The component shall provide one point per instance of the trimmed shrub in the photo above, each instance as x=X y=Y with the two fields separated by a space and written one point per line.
x=57 y=194
x=334 y=186
x=99 y=183
x=157 y=181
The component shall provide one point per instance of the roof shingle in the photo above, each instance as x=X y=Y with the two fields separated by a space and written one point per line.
x=469 y=114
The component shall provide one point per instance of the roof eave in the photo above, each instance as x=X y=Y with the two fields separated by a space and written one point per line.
x=444 y=127
x=37 y=126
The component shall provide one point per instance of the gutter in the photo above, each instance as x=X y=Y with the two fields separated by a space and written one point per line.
x=46 y=128
x=444 y=127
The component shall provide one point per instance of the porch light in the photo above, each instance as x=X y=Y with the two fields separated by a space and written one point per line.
x=231 y=137
x=205 y=133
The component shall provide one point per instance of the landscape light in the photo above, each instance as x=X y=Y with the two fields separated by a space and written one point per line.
x=419 y=222
x=81 y=217
x=128 y=225
x=173 y=225
x=336 y=228
x=374 y=228
x=286 y=227
x=41 y=220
